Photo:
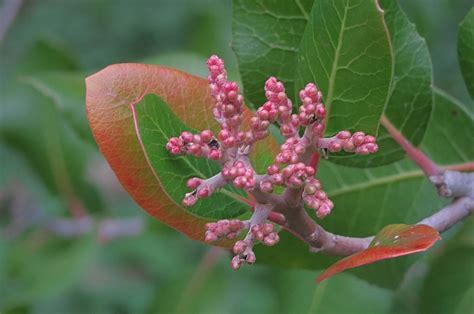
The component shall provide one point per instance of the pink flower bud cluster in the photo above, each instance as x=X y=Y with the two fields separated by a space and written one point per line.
x=247 y=255
x=229 y=139
x=223 y=229
x=311 y=109
x=265 y=234
x=201 y=190
x=291 y=166
x=229 y=103
x=316 y=198
x=291 y=151
x=278 y=107
x=295 y=175
x=358 y=143
x=274 y=177
x=241 y=175
x=243 y=249
x=199 y=145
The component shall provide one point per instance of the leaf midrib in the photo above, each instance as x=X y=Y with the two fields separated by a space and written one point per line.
x=377 y=182
x=332 y=77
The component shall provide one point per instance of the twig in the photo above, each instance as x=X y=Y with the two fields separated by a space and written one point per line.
x=415 y=154
x=450 y=215
x=448 y=182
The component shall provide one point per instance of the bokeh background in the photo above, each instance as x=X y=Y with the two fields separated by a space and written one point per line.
x=71 y=240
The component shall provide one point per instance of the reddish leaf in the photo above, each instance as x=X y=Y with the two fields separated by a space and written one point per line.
x=392 y=241
x=110 y=95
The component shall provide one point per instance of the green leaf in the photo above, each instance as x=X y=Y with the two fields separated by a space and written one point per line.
x=156 y=123
x=31 y=124
x=390 y=242
x=409 y=102
x=410 y=99
x=307 y=297
x=368 y=199
x=66 y=91
x=466 y=50
x=346 y=51
x=448 y=286
x=38 y=269
x=46 y=55
x=266 y=37
x=184 y=61
x=451 y=132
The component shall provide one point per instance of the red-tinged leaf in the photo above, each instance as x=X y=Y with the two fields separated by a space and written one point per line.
x=110 y=95
x=392 y=241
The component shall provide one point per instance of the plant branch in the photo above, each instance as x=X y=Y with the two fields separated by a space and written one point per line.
x=449 y=183
x=450 y=215
x=326 y=242
x=415 y=154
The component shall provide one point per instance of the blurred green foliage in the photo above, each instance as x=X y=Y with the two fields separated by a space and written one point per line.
x=49 y=164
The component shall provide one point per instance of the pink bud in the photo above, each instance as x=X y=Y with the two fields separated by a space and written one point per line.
x=187 y=137
x=223 y=135
x=348 y=146
x=310 y=189
x=299 y=149
x=250 y=258
x=369 y=139
x=321 y=195
x=229 y=142
x=203 y=192
x=343 y=135
x=267 y=228
x=321 y=112
x=309 y=171
x=206 y=135
x=239 y=247
x=273 y=169
x=236 y=262
x=358 y=139
x=277 y=178
x=214 y=154
x=334 y=146
x=189 y=200
x=323 y=211
x=193 y=183
x=373 y=148
x=210 y=236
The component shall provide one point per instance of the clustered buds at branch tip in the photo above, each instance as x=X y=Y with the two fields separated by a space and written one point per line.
x=291 y=168
x=358 y=143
